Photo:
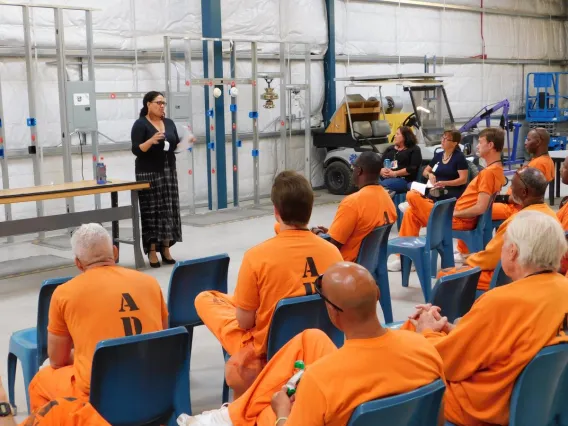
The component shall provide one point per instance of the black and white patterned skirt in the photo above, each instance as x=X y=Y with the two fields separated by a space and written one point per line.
x=159 y=208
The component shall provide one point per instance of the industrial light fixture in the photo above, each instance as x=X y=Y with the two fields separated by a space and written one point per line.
x=269 y=95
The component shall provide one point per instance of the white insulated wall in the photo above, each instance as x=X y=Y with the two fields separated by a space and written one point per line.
x=361 y=29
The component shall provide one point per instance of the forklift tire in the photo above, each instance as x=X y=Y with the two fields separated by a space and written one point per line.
x=337 y=178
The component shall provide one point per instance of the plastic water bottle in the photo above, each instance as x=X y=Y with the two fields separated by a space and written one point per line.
x=101 y=172
x=387 y=163
x=292 y=384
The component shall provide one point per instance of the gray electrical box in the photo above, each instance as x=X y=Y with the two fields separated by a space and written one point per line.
x=179 y=106
x=81 y=106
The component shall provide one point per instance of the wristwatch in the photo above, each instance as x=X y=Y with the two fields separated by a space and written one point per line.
x=6 y=409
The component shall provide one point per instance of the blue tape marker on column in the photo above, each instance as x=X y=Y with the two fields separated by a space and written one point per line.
x=31 y=122
x=0 y=122
x=190 y=149
x=233 y=108
x=210 y=113
x=239 y=144
x=253 y=114
x=255 y=152
x=211 y=145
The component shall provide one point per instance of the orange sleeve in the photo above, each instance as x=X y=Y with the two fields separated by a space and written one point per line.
x=310 y=406
x=487 y=259
x=247 y=295
x=57 y=324
x=165 y=312
x=344 y=223
x=562 y=216
x=545 y=165
x=488 y=183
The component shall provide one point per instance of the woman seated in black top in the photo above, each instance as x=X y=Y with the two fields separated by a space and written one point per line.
x=448 y=169
x=405 y=159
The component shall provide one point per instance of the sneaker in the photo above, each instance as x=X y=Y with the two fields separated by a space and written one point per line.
x=394 y=265
x=403 y=207
x=458 y=258
x=218 y=417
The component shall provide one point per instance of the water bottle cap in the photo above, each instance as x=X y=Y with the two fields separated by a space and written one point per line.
x=299 y=365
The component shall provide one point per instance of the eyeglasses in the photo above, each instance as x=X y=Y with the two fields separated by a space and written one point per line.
x=445 y=138
x=317 y=285
x=160 y=103
x=521 y=178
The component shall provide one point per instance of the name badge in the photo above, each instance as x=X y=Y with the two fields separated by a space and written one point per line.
x=435 y=168
x=394 y=164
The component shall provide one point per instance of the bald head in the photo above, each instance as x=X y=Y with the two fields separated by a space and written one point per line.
x=537 y=141
x=353 y=289
x=528 y=185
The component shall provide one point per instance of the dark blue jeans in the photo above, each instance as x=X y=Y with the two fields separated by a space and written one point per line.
x=394 y=184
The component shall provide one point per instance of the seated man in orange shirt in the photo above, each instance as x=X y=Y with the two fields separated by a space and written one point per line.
x=563 y=212
x=373 y=363
x=105 y=301
x=489 y=347
x=528 y=190
x=359 y=213
x=283 y=266
x=470 y=205
x=536 y=145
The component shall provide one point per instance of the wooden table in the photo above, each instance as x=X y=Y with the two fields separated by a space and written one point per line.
x=558 y=158
x=70 y=220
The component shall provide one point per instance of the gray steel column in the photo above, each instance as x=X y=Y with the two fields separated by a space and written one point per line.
x=284 y=148
x=255 y=144
x=62 y=81
x=168 y=65
x=234 y=134
x=213 y=144
x=4 y=164
x=30 y=74
x=190 y=154
x=307 y=117
x=91 y=67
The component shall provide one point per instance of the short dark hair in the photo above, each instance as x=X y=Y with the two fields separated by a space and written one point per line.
x=369 y=162
x=408 y=136
x=293 y=197
x=454 y=134
x=535 y=180
x=495 y=135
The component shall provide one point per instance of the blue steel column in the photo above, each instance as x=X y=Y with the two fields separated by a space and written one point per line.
x=211 y=28
x=329 y=103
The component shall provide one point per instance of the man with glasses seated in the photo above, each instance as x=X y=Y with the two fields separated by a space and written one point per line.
x=283 y=266
x=537 y=146
x=373 y=363
x=528 y=189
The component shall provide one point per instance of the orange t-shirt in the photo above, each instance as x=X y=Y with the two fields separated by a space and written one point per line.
x=490 y=180
x=363 y=370
x=487 y=259
x=66 y=412
x=543 y=163
x=492 y=343
x=283 y=266
x=357 y=215
x=562 y=216
x=104 y=303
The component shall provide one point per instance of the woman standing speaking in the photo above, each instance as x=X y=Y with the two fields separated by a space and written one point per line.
x=154 y=140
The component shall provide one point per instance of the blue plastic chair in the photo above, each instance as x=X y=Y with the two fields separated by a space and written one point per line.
x=397 y=199
x=30 y=345
x=418 y=249
x=188 y=279
x=496 y=224
x=373 y=256
x=420 y=407
x=296 y=314
x=539 y=395
x=142 y=379
x=477 y=238
x=498 y=279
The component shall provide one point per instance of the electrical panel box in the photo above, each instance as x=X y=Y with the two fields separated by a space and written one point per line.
x=179 y=106
x=81 y=106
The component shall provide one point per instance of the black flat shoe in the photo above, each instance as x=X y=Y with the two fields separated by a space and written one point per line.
x=166 y=260
x=152 y=264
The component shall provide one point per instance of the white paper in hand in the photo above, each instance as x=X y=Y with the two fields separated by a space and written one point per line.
x=185 y=142
x=421 y=187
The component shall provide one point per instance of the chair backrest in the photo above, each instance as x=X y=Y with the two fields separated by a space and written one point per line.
x=485 y=222
x=188 y=279
x=142 y=379
x=373 y=249
x=419 y=407
x=455 y=293
x=540 y=392
x=44 y=300
x=296 y=314
x=499 y=277
x=440 y=223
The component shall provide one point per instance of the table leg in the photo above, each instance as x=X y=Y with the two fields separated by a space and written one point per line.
x=138 y=257
x=558 y=164
x=115 y=232
x=551 y=193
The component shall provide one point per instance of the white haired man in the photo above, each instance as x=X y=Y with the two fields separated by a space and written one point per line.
x=105 y=301
x=488 y=348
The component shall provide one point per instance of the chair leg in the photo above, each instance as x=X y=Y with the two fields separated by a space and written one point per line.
x=405 y=264
x=12 y=366
x=385 y=298
x=434 y=262
x=423 y=271
x=30 y=370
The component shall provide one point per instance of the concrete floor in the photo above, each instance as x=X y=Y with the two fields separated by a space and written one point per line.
x=18 y=301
